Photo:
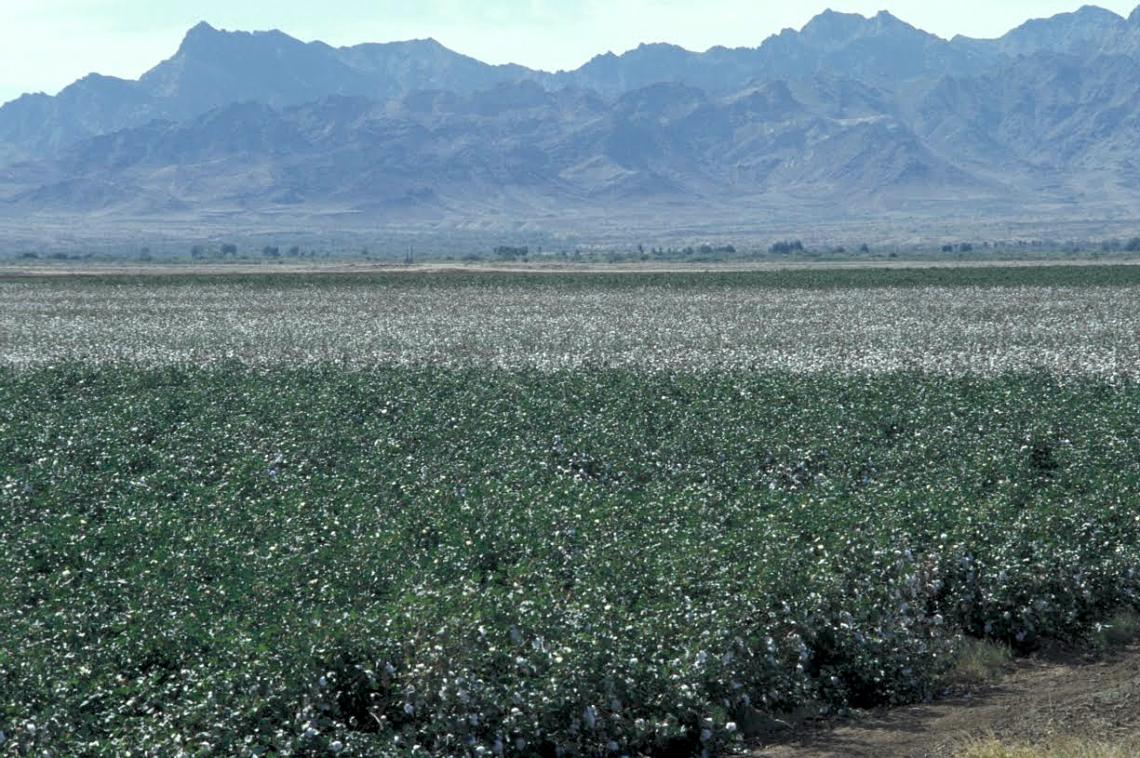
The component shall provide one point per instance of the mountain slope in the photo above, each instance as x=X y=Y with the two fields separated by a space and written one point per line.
x=538 y=148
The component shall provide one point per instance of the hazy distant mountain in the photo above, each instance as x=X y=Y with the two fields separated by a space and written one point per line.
x=1087 y=32
x=38 y=125
x=518 y=146
x=213 y=68
x=858 y=113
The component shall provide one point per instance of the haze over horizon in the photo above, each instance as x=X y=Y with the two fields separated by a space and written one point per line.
x=47 y=44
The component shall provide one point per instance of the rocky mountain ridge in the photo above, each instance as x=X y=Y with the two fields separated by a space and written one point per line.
x=859 y=115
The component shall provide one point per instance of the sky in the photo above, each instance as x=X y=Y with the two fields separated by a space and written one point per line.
x=47 y=44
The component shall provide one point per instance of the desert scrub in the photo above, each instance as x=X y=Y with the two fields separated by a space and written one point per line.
x=1120 y=629
x=979 y=662
x=476 y=560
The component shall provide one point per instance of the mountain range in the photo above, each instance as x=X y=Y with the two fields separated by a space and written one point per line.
x=850 y=116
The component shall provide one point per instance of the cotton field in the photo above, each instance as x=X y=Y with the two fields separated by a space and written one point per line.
x=566 y=516
x=945 y=330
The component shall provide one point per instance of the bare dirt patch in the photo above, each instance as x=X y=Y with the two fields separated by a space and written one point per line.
x=1045 y=697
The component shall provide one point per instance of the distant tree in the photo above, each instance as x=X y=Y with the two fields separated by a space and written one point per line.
x=1133 y=245
x=294 y=252
x=786 y=247
x=707 y=249
x=864 y=248
x=230 y=250
x=947 y=248
x=965 y=247
x=271 y=251
x=197 y=252
x=510 y=252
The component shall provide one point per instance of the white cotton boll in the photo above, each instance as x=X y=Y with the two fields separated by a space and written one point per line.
x=590 y=716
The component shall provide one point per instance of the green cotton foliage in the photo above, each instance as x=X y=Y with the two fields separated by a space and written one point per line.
x=477 y=561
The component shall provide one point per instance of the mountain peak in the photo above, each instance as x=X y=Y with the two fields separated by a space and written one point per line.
x=1095 y=10
x=832 y=23
x=200 y=35
x=202 y=30
x=98 y=83
x=1134 y=19
x=1089 y=28
x=834 y=26
x=885 y=21
x=662 y=46
x=1085 y=15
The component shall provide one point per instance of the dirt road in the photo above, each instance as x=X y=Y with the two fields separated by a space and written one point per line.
x=1042 y=698
x=21 y=270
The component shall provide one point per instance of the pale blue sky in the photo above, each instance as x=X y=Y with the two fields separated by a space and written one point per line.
x=46 y=44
